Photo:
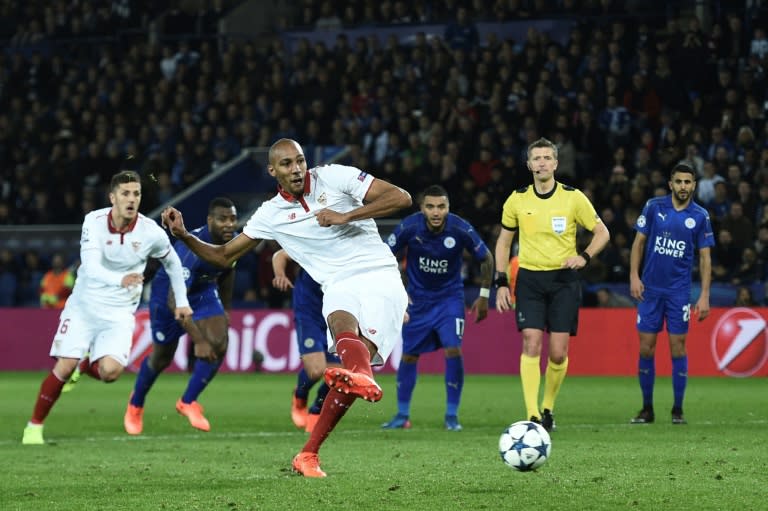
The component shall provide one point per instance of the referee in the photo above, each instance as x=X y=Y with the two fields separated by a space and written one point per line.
x=547 y=290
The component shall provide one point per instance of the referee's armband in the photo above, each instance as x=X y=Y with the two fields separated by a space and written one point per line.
x=501 y=279
x=586 y=257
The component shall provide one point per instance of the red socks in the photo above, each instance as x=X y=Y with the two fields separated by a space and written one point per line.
x=353 y=353
x=335 y=406
x=50 y=390
x=354 y=356
x=91 y=370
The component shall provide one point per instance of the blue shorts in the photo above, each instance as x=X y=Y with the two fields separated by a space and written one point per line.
x=656 y=307
x=311 y=329
x=433 y=325
x=165 y=328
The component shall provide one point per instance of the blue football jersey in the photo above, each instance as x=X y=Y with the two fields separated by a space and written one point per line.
x=433 y=261
x=673 y=237
x=199 y=275
x=308 y=300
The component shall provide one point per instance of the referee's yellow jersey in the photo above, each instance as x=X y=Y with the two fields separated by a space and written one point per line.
x=547 y=224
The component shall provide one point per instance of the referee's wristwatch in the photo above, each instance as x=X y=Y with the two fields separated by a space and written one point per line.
x=501 y=279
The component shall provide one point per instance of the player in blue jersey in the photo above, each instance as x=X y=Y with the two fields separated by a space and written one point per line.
x=669 y=229
x=209 y=288
x=434 y=241
x=311 y=338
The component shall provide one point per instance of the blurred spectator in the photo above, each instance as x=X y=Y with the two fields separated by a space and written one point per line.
x=720 y=204
x=616 y=122
x=761 y=246
x=705 y=186
x=746 y=197
x=643 y=103
x=741 y=228
x=481 y=168
x=8 y=278
x=759 y=45
x=30 y=276
x=328 y=19
x=462 y=33
x=726 y=257
x=5 y=214
x=56 y=284
x=750 y=270
x=744 y=297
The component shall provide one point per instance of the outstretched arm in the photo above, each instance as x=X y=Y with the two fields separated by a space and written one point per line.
x=382 y=199
x=220 y=255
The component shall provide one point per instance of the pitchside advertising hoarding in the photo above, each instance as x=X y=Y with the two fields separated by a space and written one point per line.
x=731 y=342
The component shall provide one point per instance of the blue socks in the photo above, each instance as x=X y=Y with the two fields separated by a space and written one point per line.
x=322 y=391
x=646 y=373
x=454 y=382
x=144 y=381
x=202 y=375
x=406 y=382
x=303 y=385
x=679 y=380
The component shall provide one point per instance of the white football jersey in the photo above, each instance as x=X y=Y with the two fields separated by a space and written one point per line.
x=326 y=253
x=120 y=254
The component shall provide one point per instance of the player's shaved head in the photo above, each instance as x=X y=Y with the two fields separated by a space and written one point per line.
x=281 y=145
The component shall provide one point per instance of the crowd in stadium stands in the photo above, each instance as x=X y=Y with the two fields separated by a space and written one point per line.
x=625 y=98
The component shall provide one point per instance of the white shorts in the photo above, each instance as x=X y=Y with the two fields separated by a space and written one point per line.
x=96 y=329
x=378 y=300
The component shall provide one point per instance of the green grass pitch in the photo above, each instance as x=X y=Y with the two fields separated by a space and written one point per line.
x=719 y=461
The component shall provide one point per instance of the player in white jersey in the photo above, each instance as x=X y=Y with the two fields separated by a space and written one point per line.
x=98 y=316
x=323 y=219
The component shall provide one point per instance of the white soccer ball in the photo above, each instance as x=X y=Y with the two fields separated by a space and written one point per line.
x=525 y=445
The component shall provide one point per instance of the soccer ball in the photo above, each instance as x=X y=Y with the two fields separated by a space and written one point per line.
x=525 y=445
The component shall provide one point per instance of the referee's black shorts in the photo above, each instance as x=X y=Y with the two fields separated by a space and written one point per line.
x=548 y=300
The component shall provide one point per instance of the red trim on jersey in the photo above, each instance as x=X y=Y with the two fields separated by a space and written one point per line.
x=114 y=230
x=292 y=198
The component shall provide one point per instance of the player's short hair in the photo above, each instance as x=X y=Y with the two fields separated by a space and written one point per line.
x=220 y=202
x=542 y=142
x=435 y=191
x=684 y=168
x=122 y=177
